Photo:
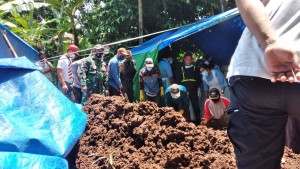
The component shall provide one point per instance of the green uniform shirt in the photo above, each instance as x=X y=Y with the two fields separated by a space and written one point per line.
x=93 y=74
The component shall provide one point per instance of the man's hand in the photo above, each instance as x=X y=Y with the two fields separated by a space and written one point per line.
x=203 y=122
x=84 y=88
x=106 y=92
x=281 y=61
x=64 y=88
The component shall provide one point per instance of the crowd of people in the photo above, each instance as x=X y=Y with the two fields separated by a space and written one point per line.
x=78 y=79
x=267 y=52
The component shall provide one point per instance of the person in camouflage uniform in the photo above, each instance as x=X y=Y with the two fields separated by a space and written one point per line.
x=93 y=74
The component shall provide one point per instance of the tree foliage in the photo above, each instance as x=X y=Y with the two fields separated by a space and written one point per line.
x=44 y=23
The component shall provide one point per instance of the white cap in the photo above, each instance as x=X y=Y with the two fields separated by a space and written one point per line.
x=174 y=90
x=149 y=63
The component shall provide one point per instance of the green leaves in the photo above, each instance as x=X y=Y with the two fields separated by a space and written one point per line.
x=44 y=23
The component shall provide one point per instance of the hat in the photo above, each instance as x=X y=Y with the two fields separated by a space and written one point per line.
x=41 y=53
x=98 y=47
x=174 y=90
x=214 y=93
x=73 y=48
x=122 y=51
x=149 y=62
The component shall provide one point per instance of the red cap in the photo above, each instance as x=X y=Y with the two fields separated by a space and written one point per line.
x=73 y=48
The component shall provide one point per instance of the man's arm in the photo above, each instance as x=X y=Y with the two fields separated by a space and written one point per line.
x=83 y=75
x=114 y=74
x=280 y=59
x=256 y=18
x=51 y=68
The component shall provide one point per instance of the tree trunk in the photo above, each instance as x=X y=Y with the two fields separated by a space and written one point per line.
x=222 y=5
x=76 y=40
x=140 y=9
x=165 y=9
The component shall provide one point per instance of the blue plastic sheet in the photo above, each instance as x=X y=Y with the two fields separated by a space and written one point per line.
x=35 y=117
x=20 y=46
x=217 y=36
x=31 y=161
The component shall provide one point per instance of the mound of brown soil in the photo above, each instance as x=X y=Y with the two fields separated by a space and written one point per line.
x=141 y=135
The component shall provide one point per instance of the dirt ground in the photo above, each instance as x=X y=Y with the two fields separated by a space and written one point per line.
x=141 y=135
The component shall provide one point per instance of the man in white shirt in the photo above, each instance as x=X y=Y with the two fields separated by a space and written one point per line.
x=45 y=66
x=64 y=71
x=261 y=75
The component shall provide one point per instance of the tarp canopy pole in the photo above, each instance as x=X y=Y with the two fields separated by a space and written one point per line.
x=9 y=44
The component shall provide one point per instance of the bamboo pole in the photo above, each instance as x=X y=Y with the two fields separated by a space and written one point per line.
x=9 y=44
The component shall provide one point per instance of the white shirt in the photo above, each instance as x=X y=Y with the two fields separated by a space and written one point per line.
x=64 y=63
x=43 y=67
x=248 y=58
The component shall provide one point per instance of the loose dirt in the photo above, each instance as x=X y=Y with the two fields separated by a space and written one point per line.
x=141 y=135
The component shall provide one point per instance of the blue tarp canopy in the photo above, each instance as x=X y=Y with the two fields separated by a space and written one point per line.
x=20 y=47
x=216 y=36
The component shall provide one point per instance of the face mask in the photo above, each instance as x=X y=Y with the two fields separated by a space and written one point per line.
x=121 y=57
x=106 y=51
x=73 y=56
x=149 y=68
x=98 y=55
x=171 y=61
x=188 y=66
x=204 y=73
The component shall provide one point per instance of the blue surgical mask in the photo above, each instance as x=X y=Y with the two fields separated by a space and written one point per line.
x=204 y=73
x=171 y=61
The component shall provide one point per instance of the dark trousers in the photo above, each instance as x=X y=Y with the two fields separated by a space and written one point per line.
x=258 y=115
x=128 y=89
x=293 y=134
x=193 y=96
x=77 y=94
x=154 y=99
x=68 y=94
x=186 y=113
x=113 y=91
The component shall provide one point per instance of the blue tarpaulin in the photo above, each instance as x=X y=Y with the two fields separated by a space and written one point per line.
x=35 y=117
x=217 y=36
x=21 y=47
x=11 y=160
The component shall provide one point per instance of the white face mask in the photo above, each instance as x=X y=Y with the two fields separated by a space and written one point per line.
x=73 y=56
x=204 y=73
x=171 y=61
x=149 y=68
x=106 y=51
x=188 y=66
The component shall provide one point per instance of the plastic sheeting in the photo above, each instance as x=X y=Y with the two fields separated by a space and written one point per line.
x=35 y=117
x=216 y=36
x=21 y=47
x=31 y=161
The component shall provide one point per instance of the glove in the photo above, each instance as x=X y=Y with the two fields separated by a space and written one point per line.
x=181 y=111
x=162 y=93
x=203 y=122
x=141 y=95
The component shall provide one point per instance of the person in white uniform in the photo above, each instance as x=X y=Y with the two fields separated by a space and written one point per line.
x=261 y=74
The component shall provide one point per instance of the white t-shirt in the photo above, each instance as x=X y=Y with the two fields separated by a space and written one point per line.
x=64 y=63
x=248 y=58
x=43 y=67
